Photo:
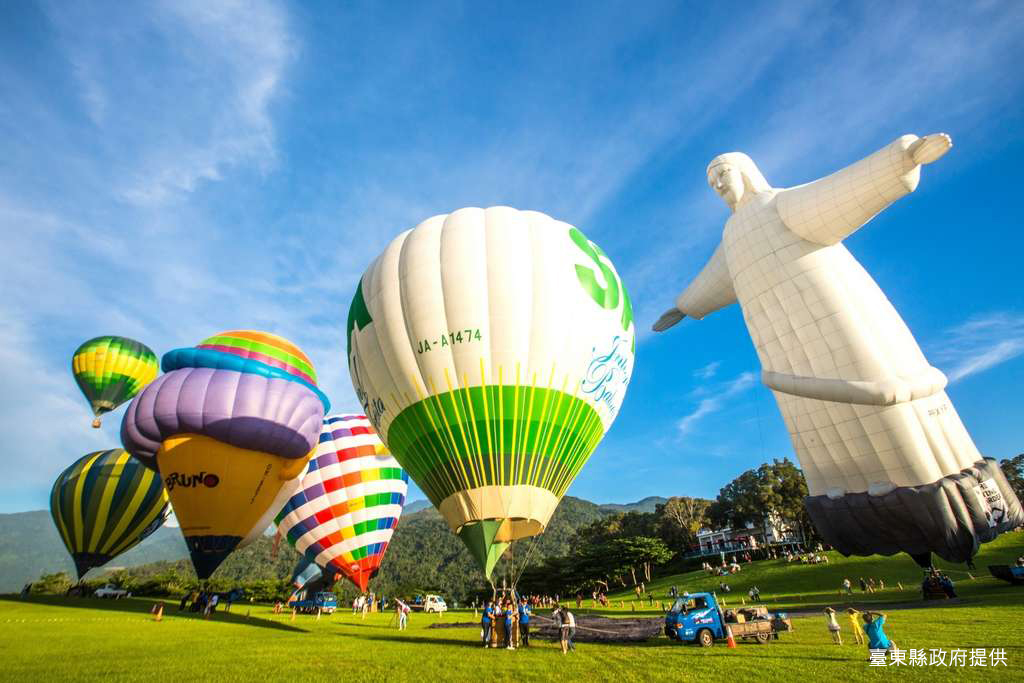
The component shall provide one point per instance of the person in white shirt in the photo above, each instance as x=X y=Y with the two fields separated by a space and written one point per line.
x=833 y=626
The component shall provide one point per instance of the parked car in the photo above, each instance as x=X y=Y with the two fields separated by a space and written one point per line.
x=111 y=591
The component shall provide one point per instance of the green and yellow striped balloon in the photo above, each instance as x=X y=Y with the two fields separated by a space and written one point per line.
x=111 y=370
x=104 y=504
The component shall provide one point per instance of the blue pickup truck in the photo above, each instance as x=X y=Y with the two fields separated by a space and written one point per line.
x=323 y=602
x=698 y=618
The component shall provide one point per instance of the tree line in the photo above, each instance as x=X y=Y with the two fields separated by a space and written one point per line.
x=626 y=550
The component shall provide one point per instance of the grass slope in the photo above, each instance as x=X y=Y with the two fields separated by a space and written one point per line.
x=58 y=639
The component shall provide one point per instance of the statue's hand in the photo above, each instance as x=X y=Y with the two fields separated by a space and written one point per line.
x=930 y=148
x=668 y=319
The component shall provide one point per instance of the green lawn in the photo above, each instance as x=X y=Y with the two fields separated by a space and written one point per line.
x=88 y=639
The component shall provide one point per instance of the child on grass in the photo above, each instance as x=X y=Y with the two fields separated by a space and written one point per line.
x=833 y=626
x=858 y=632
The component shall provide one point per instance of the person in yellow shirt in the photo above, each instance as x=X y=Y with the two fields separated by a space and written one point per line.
x=858 y=632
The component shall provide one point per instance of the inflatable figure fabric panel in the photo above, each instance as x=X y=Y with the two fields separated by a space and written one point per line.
x=889 y=465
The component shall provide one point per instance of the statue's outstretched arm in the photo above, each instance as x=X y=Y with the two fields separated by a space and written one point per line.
x=709 y=291
x=826 y=211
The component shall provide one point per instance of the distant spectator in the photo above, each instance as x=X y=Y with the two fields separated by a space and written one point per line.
x=873 y=629
x=402 y=611
x=947 y=586
x=833 y=626
x=562 y=622
x=485 y=623
x=524 y=622
x=858 y=632
x=847 y=587
x=510 y=617
x=571 y=618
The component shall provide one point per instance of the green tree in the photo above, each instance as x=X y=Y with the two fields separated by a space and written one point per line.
x=1013 y=468
x=679 y=519
x=52 y=584
x=773 y=493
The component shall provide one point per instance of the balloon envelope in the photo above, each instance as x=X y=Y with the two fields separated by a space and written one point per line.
x=349 y=502
x=229 y=426
x=492 y=350
x=110 y=370
x=104 y=504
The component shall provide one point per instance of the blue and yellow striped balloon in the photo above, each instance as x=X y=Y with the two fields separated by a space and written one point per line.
x=349 y=502
x=104 y=504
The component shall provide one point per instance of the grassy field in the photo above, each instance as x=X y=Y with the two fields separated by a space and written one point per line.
x=88 y=639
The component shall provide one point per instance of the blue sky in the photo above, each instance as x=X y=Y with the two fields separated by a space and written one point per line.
x=172 y=169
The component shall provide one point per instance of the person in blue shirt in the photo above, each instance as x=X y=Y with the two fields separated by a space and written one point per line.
x=485 y=621
x=524 y=622
x=510 y=613
x=873 y=629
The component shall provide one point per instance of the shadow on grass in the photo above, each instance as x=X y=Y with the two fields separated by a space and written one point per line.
x=142 y=607
x=401 y=638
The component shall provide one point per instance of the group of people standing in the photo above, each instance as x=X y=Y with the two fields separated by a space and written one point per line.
x=866 y=585
x=202 y=601
x=873 y=628
x=510 y=613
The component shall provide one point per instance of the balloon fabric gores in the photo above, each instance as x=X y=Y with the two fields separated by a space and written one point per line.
x=229 y=426
x=491 y=348
x=111 y=370
x=348 y=503
x=104 y=504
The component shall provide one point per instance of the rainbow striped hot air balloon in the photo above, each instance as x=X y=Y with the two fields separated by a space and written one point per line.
x=111 y=370
x=349 y=501
x=104 y=504
x=230 y=427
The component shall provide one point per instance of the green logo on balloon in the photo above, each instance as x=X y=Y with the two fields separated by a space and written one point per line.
x=604 y=296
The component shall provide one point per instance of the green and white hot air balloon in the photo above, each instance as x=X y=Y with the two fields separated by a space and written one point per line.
x=491 y=349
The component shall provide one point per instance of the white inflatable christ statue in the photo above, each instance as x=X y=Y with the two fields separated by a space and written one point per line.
x=889 y=464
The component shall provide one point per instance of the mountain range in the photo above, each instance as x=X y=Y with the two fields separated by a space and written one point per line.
x=423 y=550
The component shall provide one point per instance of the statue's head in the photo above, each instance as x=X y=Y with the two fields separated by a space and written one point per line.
x=735 y=175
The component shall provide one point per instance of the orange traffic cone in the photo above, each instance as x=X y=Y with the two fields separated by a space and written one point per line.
x=728 y=637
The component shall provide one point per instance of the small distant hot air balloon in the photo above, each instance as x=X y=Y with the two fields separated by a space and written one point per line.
x=104 y=504
x=229 y=426
x=491 y=349
x=348 y=503
x=111 y=370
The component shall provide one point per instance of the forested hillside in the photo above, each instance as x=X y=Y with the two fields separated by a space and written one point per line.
x=424 y=553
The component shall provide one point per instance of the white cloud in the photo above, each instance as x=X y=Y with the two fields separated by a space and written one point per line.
x=929 y=61
x=982 y=342
x=183 y=86
x=708 y=371
x=47 y=420
x=712 y=404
